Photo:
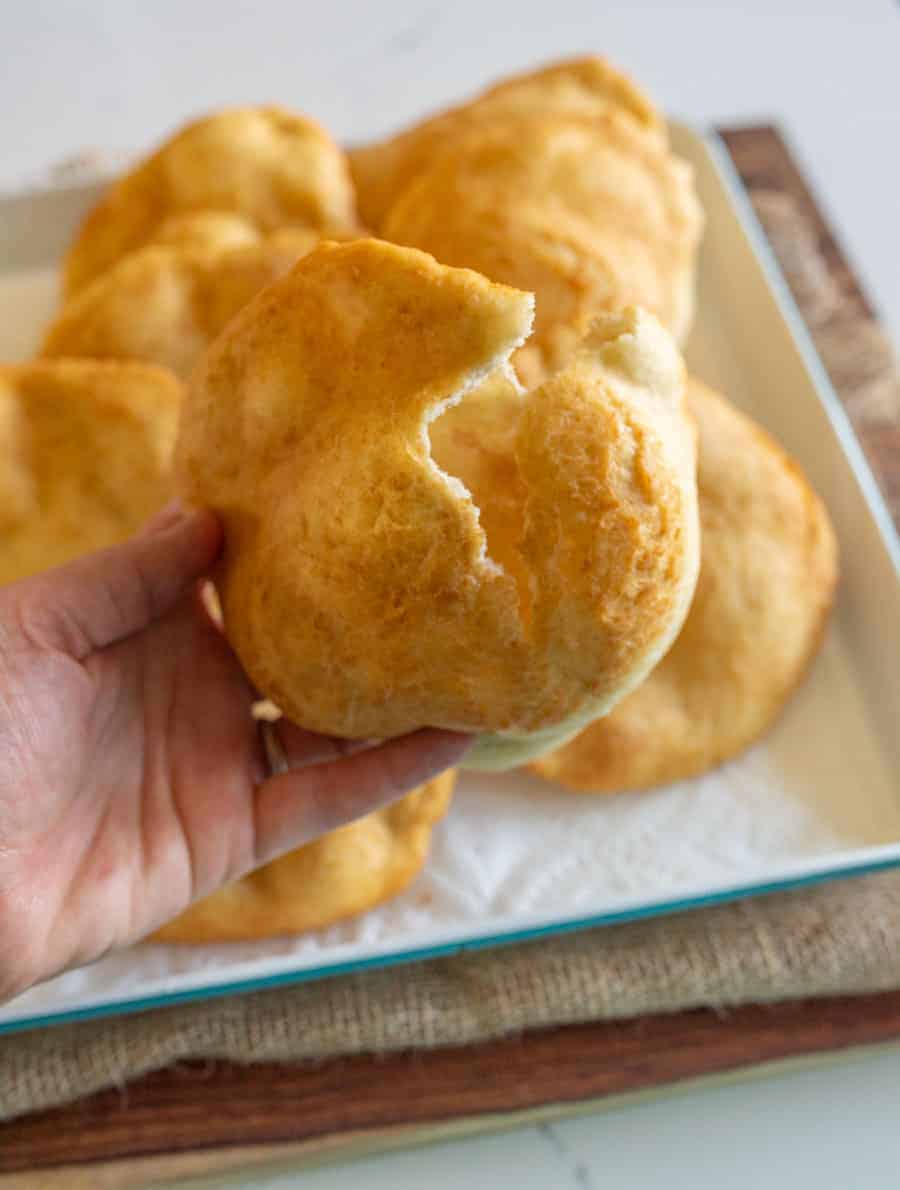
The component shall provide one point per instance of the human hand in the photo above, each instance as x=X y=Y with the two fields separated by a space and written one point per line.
x=132 y=777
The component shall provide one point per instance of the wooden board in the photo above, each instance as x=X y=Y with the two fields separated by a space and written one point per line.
x=857 y=353
x=232 y=1113
x=201 y=1116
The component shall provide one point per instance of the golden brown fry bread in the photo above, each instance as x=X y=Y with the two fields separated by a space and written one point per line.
x=360 y=590
x=585 y=87
x=767 y=579
x=271 y=166
x=206 y=229
x=85 y=449
x=590 y=215
x=166 y=302
x=340 y=875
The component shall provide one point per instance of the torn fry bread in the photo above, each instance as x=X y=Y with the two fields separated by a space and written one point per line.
x=360 y=587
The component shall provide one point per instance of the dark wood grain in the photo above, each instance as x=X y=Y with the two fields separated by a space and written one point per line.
x=854 y=348
x=216 y=1108
x=214 y=1104
x=765 y=164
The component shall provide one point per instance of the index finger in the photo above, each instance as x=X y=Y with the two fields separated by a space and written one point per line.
x=294 y=808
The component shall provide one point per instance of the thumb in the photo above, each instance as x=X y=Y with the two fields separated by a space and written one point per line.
x=102 y=597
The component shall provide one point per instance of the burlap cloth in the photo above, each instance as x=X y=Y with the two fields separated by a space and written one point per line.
x=841 y=938
x=838 y=938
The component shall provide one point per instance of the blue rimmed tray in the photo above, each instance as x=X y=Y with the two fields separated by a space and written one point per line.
x=818 y=799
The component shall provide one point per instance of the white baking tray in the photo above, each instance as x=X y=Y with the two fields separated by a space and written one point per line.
x=516 y=859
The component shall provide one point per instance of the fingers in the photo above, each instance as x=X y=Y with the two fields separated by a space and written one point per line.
x=296 y=807
x=300 y=748
x=108 y=595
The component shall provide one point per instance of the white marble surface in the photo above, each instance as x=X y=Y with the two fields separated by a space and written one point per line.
x=88 y=72
x=115 y=74
x=810 y=1130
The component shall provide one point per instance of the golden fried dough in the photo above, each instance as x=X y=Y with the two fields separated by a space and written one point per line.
x=166 y=302
x=360 y=589
x=85 y=449
x=271 y=166
x=767 y=578
x=475 y=441
x=340 y=875
x=589 y=214
x=587 y=87
x=205 y=229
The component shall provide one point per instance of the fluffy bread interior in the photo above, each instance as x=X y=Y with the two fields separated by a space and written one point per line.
x=498 y=373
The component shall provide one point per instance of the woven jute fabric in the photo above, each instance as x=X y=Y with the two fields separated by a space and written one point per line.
x=839 y=938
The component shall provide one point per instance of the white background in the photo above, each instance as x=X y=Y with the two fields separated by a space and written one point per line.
x=119 y=75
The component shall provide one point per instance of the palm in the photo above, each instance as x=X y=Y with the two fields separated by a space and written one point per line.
x=144 y=764
x=132 y=777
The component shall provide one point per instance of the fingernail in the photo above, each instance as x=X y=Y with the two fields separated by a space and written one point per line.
x=454 y=744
